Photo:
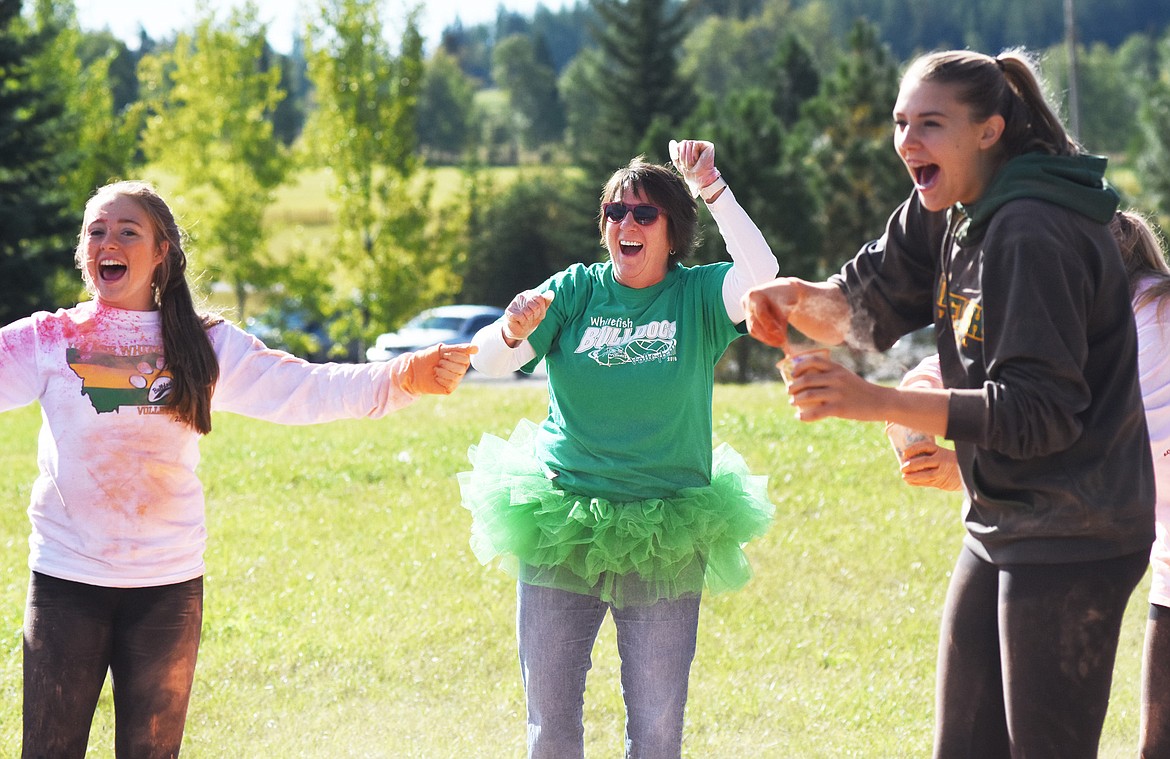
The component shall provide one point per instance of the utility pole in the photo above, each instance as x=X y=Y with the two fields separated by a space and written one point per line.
x=1070 y=37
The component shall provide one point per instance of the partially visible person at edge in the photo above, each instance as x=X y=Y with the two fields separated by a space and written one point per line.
x=127 y=383
x=1149 y=278
x=615 y=503
x=1004 y=246
x=925 y=463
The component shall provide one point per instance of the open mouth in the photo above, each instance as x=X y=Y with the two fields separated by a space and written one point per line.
x=925 y=176
x=111 y=271
x=629 y=248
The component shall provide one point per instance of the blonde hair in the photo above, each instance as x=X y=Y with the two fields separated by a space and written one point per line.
x=1144 y=257
x=190 y=357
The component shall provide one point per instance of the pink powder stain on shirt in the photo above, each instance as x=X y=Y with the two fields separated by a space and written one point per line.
x=138 y=478
x=18 y=342
x=104 y=329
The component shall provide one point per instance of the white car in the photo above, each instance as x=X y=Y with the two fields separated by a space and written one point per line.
x=444 y=324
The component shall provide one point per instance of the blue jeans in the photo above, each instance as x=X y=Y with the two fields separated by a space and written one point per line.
x=656 y=645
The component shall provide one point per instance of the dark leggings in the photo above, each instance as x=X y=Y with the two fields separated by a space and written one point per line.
x=1026 y=656
x=147 y=638
x=1155 y=732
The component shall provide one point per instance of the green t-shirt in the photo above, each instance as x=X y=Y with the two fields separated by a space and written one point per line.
x=630 y=376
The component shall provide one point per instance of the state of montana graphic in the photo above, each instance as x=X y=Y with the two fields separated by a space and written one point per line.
x=111 y=382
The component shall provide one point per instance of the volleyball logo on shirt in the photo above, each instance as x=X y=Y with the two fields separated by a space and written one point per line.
x=113 y=382
x=615 y=342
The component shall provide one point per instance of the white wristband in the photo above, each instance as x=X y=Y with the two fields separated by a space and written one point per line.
x=709 y=192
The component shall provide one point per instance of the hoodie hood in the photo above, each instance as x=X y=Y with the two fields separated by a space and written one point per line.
x=1075 y=182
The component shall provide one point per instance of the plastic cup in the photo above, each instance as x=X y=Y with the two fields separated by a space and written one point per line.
x=788 y=365
x=904 y=437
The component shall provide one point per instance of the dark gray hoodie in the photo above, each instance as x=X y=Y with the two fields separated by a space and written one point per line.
x=1030 y=303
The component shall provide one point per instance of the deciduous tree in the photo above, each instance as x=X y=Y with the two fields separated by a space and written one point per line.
x=363 y=129
x=211 y=100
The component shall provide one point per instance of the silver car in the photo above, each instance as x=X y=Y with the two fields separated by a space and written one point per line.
x=444 y=324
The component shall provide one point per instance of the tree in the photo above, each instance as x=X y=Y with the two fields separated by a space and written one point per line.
x=212 y=99
x=577 y=83
x=558 y=229
x=39 y=160
x=765 y=161
x=521 y=66
x=363 y=129
x=1153 y=161
x=1109 y=82
x=721 y=54
x=637 y=80
x=106 y=136
x=445 y=108
x=864 y=179
x=288 y=118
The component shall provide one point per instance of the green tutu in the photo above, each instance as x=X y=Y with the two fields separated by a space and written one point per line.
x=628 y=554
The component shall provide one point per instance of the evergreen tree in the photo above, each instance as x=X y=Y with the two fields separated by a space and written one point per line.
x=638 y=82
x=445 y=108
x=288 y=117
x=796 y=79
x=520 y=68
x=510 y=257
x=863 y=177
x=1153 y=162
x=38 y=219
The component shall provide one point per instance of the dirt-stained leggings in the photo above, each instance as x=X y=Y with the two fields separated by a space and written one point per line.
x=1026 y=656
x=147 y=638
x=1155 y=722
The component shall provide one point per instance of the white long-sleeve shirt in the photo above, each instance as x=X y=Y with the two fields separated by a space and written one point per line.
x=117 y=502
x=1154 y=375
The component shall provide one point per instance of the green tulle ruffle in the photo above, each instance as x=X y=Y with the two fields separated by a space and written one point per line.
x=628 y=554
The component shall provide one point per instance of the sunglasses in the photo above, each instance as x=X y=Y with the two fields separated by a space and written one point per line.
x=644 y=213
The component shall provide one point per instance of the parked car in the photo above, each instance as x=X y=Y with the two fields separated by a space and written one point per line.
x=288 y=325
x=444 y=324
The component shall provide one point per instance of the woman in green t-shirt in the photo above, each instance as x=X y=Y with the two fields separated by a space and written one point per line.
x=615 y=501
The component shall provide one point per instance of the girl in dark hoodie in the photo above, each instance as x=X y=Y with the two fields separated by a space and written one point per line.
x=1004 y=247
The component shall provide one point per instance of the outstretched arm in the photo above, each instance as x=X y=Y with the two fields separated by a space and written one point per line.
x=503 y=344
x=818 y=309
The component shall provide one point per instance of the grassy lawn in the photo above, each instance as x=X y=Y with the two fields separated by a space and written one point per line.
x=347 y=617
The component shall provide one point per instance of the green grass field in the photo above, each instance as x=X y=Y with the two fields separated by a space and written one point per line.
x=347 y=617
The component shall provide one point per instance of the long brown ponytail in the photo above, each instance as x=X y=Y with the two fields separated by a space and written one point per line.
x=190 y=358
x=1007 y=84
